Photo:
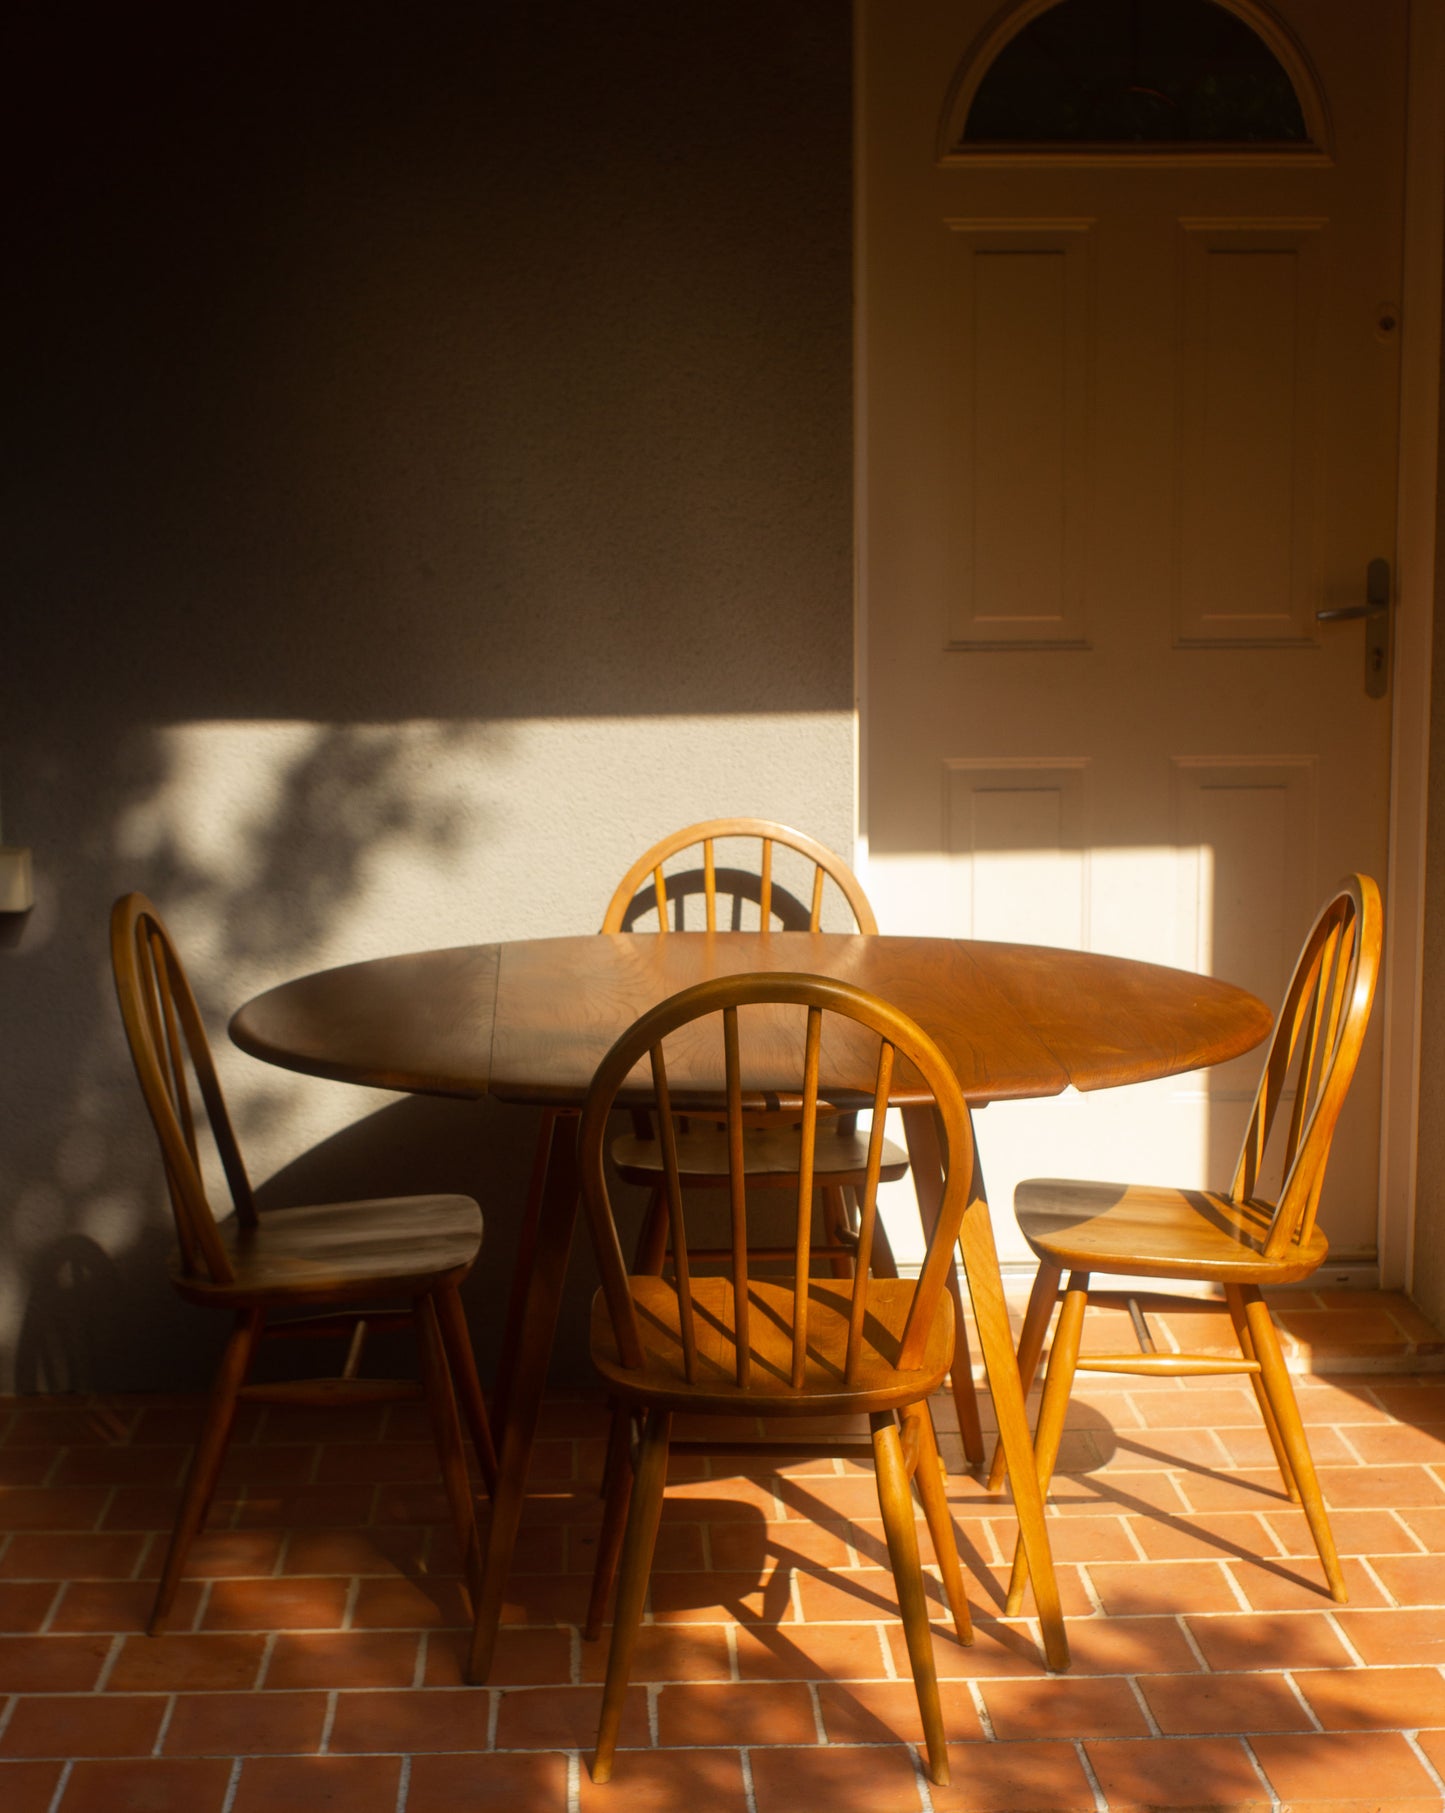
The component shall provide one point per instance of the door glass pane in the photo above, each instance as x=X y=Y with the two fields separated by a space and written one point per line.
x=1165 y=72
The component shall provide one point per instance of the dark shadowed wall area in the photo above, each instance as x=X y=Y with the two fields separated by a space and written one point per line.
x=428 y=481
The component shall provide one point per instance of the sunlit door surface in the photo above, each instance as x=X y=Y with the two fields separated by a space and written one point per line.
x=1127 y=423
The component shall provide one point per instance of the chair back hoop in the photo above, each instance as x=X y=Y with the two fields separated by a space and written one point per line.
x=897 y=1039
x=1317 y=1037
x=169 y=1049
x=826 y=866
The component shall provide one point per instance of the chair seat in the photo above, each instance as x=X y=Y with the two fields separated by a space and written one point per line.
x=878 y=1385
x=394 y=1246
x=1156 y=1232
x=770 y=1157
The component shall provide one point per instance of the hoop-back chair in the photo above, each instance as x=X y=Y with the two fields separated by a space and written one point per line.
x=841 y=1154
x=1239 y=1238
x=806 y=1346
x=336 y=1269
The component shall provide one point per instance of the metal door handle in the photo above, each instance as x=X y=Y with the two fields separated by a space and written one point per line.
x=1376 y=612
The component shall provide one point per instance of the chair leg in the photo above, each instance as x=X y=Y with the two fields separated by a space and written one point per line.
x=925 y=1155
x=1037 y=1316
x=895 y=1501
x=1063 y=1360
x=617 y=1493
x=447 y=1432
x=1246 y=1347
x=637 y=1550
x=1286 y=1412
x=210 y=1451
x=468 y=1387
x=928 y=1477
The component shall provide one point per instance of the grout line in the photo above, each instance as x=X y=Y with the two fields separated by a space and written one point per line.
x=403 y=1786
x=494 y=1713
x=418 y=1669
x=7 y=1710
x=107 y=1667
x=1350 y=1650
x=820 y=1730
x=980 y=1706
x=1368 y=1565
x=652 y=1690
x=106 y=1506
x=1101 y=1803
x=1287 y=1676
x=750 y=1797
x=165 y=1725
x=1235 y=1587
x=1144 y=1706
x=574 y=1781
x=1412 y=1738
x=1194 y=1648
x=47 y=1623
x=730 y=1637
x=268 y=1651
x=1258 y=1767
x=348 y=1611
x=920 y=1779
x=333 y=1699
x=64 y=1783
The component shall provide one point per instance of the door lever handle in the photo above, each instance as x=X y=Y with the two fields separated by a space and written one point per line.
x=1376 y=612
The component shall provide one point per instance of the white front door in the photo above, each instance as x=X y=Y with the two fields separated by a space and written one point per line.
x=1128 y=421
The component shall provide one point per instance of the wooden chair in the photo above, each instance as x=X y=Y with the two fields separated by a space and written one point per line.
x=330 y=1263
x=841 y=1153
x=1239 y=1238
x=804 y=1347
x=634 y=899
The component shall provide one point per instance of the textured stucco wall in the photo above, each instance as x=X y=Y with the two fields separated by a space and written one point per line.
x=432 y=482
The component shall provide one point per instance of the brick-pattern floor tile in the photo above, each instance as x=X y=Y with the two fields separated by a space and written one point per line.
x=885 y=1712
x=1393 y=1638
x=1260 y=1640
x=174 y=1663
x=425 y=1719
x=51 y=1664
x=245 y=1724
x=1186 y=1705
x=301 y=1784
x=1364 y=1699
x=29 y=1787
x=156 y=1786
x=84 y=1725
x=1014 y=1778
x=875 y=1779
x=1314 y=1767
x=1064 y=1707
x=1176 y=1772
x=660 y=1782
x=343 y=1659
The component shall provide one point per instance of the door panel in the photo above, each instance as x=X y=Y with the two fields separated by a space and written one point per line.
x=1127 y=422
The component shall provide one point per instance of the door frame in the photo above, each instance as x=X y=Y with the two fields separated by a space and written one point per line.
x=1415 y=565
x=1424 y=229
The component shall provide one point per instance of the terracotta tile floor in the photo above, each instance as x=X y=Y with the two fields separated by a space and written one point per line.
x=314 y=1660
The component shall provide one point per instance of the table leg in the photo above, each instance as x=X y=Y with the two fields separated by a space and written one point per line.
x=985 y=1288
x=926 y=1164
x=519 y=1403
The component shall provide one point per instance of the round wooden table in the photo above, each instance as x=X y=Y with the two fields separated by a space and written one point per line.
x=530 y=1021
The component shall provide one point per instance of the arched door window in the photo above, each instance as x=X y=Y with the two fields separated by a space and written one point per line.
x=1121 y=77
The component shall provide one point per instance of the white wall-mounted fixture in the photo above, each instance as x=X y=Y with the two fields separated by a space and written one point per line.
x=17 y=880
